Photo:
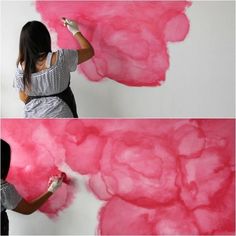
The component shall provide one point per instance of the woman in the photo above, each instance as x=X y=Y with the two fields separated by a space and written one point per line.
x=43 y=76
x=11 y=199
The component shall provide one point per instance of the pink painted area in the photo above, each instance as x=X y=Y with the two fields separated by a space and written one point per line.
x=129 y=37
x=154 y=176
x=34 y=162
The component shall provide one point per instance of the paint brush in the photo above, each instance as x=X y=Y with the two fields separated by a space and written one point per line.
x=64 y=20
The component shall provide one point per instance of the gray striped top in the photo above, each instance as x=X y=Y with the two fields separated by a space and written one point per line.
x=10 y=198
x=50 y=81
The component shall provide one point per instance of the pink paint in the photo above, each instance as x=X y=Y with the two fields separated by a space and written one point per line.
x=129 y=219
x=129 y=37
x=64 y=177
x=34 y=162
x=155 y=176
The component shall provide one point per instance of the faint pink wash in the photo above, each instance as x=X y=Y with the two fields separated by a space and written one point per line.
x=156 y=176
x=130 y=38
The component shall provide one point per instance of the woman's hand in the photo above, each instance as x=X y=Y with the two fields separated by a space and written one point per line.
x=71 y=25
x=86 y=50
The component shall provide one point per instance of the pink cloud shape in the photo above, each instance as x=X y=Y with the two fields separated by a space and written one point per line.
x=130 y=38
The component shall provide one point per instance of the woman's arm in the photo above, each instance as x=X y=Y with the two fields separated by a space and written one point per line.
x=28 y=208
x=23 y=96
x=86 y=52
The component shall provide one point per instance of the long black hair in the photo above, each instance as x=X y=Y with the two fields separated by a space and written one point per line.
x=5 y=159
x=35 y=44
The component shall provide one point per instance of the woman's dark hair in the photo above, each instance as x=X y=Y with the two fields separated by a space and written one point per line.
x=35 y=44
x=5 y=159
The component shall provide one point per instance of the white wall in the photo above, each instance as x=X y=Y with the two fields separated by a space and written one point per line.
x=200 y=81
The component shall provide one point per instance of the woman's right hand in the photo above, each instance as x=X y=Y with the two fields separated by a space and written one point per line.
x=86 y=50
x=54 y=183
x=71 y=25
x=25 y=207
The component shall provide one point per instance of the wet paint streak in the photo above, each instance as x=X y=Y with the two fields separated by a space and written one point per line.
x=155 y=176
x=130 y=38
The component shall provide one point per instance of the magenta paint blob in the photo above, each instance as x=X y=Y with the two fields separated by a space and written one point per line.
x=130 y=38
x=155 y=176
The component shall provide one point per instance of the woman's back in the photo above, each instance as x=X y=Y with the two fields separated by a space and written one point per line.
x=48 y=82
x=45 y=90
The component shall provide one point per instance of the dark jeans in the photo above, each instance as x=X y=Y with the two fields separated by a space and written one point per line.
x=4 y=223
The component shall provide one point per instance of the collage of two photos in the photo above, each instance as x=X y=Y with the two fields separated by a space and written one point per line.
x=117 y=117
